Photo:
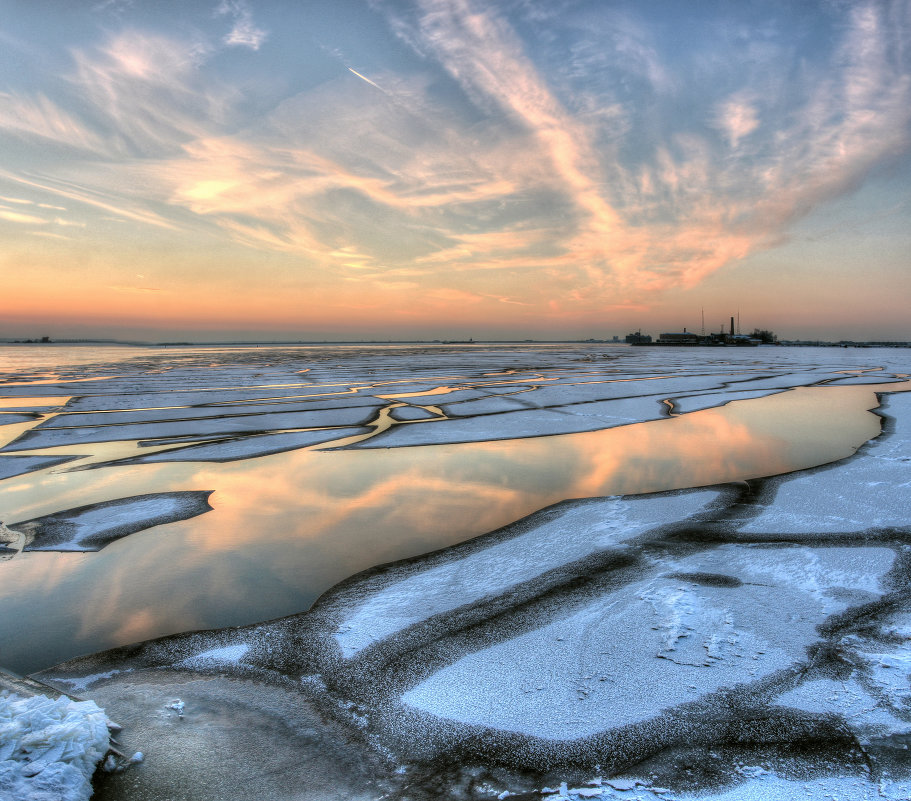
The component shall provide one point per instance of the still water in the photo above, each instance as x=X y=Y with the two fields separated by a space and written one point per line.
x=287 y=527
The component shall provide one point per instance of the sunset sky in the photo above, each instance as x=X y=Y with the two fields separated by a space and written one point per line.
x=270 y=169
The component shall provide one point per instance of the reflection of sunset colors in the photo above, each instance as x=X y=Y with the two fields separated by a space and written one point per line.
x=439 y=169
x=286 y=527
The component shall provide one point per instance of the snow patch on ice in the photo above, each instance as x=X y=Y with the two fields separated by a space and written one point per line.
x=228 y=655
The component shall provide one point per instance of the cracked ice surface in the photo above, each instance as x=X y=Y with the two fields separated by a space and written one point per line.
x=573 y=534
x=848 y=698
x=242 y=396
x=629 y=655
x=868 y=491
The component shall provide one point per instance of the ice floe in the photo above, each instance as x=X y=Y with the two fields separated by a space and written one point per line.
x=769 y=619
x=19 y=465
x=487 y=391
x=90 y=528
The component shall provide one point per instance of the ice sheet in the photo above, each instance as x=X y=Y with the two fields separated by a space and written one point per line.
x=47 y=437
x=653 y=645
x=573 y=533
x=248 y=447
x=870 y=490
x=19 y=465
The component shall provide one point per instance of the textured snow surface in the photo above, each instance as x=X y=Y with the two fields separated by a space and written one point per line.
x=758 y=784
x=870 y=491
x=866 y=712
x=655 y=644
x=49 y=748
x=573 y=534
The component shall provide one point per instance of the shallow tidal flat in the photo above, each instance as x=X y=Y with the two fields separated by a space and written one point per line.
x=664 y=572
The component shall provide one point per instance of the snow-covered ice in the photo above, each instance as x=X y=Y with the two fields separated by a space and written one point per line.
x=766 y=619
x=226 y=655
x=562 y=536
x=90 y=528
x=869 y=491
x=656 y=644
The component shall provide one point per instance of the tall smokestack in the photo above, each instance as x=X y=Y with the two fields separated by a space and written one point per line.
x=732 y=326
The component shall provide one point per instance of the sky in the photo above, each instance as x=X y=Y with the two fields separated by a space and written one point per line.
x=441 y=169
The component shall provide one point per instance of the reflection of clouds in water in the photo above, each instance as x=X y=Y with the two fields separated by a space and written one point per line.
x=135 y=626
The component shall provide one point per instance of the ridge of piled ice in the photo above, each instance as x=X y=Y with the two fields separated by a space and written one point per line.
x=49 y=747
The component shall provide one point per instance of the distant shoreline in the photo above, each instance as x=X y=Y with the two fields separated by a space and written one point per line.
x=442 y=343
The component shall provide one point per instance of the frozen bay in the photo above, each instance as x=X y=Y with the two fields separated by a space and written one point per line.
x=559 y=482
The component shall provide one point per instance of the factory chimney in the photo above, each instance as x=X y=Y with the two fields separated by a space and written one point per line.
x=732 y=326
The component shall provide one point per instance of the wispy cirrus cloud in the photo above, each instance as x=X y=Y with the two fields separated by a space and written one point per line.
x=737 y=117
x=560 y=179
x=89 y=198
x=692 y=205
x=18 y=217
x=38 y=116
x=244 y=33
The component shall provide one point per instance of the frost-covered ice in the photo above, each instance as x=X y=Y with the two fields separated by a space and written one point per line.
x=866 y=713
x=247 y=447
x=870 y=491
x=243 y=396
x=90 y=528
x=656 y=644
x=18 y=465
x=758 y=784
x=49 y=748
x=766 y=620
x=564 y=536
x=709 y=400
